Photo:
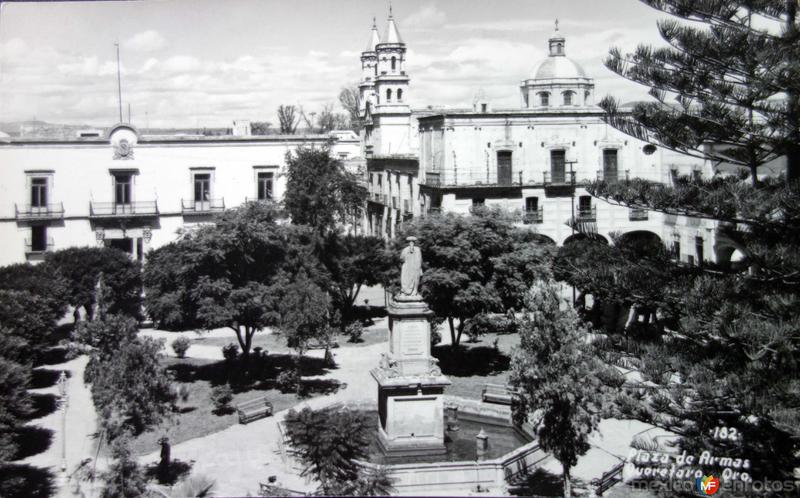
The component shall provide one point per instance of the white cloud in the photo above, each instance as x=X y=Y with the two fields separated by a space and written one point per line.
x=428 y=16
x=146 y=41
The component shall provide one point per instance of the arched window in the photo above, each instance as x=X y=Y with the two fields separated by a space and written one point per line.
x=568 y=98
x=544 y=99
x=388 y=95
x=399 y=94
x=394 y=63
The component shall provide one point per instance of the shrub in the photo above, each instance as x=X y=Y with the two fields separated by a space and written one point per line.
x=222 y=396
x=230 y=352
x=182 y=393
x=180 y=346
x=436 y=336
x=354 y=331
x=288 y=380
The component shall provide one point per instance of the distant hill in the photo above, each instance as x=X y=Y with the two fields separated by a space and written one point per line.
x=42 y=129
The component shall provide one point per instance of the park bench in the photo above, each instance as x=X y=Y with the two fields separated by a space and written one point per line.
x=608 y=479
x=274 y=490
x=498 y=394
x=253 y=409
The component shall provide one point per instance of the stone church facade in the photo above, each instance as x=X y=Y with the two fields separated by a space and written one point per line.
x=535 y=159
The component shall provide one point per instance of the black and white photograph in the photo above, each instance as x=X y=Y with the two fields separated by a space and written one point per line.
x=538 y=248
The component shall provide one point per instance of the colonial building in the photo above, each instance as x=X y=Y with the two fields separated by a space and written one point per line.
x=535 y=159
x=132 y=191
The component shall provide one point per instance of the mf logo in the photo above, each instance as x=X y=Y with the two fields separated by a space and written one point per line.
x=707 y=485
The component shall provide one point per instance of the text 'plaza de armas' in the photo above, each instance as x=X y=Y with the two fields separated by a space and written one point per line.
x=134 y=191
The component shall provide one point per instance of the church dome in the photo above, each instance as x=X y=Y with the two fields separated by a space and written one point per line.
x=558 y=67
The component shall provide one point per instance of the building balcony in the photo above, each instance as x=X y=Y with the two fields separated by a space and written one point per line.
x=435 y=210
x=478 y=177
x=190 y=206
x=251 y=199
x=637 y=214
x=45 y=212
x=143 y=209
x=559 y=179
x=379 y=198
x=612 y=176
x=533 y=216
x=41 y=249
x=586 y=214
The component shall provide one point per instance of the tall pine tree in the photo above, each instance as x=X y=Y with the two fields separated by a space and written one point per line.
x=726 y=90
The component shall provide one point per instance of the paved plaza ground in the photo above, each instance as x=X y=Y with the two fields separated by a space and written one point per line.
x=239 y=457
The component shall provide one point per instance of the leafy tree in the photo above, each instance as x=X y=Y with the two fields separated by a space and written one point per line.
x=29 y=319
x=733 y=83
x=81 y=267
x=169 y=276
x=476 y=264
x=287 y=117
x=733 y=75
x=225 y=275
x=131 y=389
x=326 y=121
x=354 y=261
x=103 y=339
x=15 y=404
x=326 y=442
x=557 y=377
x=304 y=314
x=37 y=280
x=350 y=99
x=124 y=477
x=260 y=128
x=320 y=192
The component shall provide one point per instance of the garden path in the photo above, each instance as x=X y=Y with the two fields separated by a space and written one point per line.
x=241 y=456
x=81 y=421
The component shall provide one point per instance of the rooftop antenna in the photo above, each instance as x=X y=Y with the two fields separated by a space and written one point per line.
x=129 y=112
x=390 y=10
x=119 y=84
x=556 y=24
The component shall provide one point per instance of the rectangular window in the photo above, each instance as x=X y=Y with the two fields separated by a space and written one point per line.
x=531 y=204
x=265 y=186
x=585 y=204
x=38 y=192
x=38 y=238
x=676 y=250
x=558 y=166
x=122 y=188
x=202 y=187
x=504 y=174
x=698 y=247
x=610 y=171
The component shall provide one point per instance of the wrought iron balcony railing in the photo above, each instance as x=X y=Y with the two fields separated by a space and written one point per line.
x=559 y=178
x=637 y=214
x=612 y=176
x=533 y=216
x=130 y=210
x=44 y=212
x=191 y=206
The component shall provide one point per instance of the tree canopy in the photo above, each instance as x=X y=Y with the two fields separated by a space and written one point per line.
x=725 y=89
x=557 y=377
x=80 y=267
x=320 y=193
x=476 y=264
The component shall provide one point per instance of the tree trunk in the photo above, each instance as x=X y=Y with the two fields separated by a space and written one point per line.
x=239 y=337
x=460 y=330
x=567 y=484
x=452 y=332
x=793 y=152
x=631 y=317
x=248 y=333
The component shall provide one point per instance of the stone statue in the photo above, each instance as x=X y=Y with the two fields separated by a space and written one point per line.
x=411 y=270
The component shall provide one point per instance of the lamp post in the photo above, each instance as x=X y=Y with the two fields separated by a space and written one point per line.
x=64 y=402
x=572 y=163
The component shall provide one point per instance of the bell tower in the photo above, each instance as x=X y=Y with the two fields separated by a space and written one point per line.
x=369 y=62
x=392 y=115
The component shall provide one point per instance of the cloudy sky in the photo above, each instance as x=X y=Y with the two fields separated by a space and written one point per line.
x=207 y=62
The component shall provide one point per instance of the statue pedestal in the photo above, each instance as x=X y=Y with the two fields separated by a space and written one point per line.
x=410 y=384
